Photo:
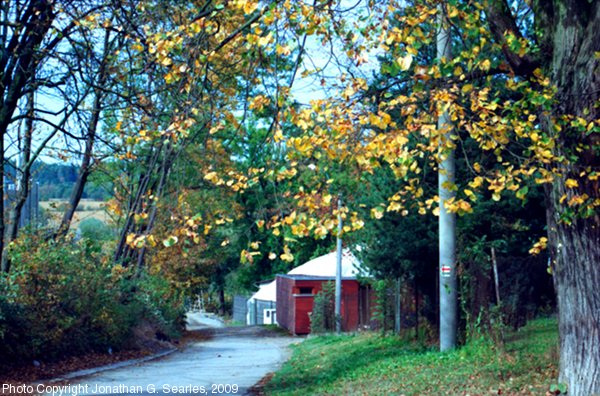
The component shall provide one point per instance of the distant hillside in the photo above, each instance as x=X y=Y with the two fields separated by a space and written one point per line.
x=56 y=181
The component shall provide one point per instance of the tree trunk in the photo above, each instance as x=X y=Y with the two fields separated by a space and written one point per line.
x=84 y=170
x=416 y=312
x=576 y=272
x=86 y=162
x=164 y=173
x=23 y=173
x=16 y=70
x=5 y=268
x=568 y=34
x=136 y=202
x=575 y=247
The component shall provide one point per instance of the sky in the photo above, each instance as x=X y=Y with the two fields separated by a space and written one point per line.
x=305 y=88
x=319 y=56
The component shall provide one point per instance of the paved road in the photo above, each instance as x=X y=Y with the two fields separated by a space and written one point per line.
x=231 y=361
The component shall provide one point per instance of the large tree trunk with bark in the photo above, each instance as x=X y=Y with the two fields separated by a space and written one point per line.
x=575 y=237
x=568 y=37
x=576 y=271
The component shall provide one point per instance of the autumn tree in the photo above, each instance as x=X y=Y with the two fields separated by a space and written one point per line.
x=567 y=44
x=204 y=65
x=522 y=90
x=93 y=51
x=35 y=64
x=523 y=87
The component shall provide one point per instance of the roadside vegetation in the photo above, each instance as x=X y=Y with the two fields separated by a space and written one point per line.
x=67 y=298
x=372 y=364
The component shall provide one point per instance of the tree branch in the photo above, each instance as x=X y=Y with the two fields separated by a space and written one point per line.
x=502 y=24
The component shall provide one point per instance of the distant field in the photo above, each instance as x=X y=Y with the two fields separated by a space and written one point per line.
x=87 y=209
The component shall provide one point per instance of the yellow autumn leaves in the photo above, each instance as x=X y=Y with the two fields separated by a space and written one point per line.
x=247 y=256
x=364 y=129
x=540 y=245
x=405 y=61
x=248 y=6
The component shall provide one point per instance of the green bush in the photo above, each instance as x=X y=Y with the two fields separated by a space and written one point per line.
x=322 y=318
x=65 y=298
x=163 y=305
x=95 y=229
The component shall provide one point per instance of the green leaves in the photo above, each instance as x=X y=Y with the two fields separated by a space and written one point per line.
x=522 y=192
x=558 y=389
x=170 y=241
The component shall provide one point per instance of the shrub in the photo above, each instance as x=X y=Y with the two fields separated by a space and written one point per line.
x=65 y=298
x=322 y=318
x=162 y=303
x=95 y=229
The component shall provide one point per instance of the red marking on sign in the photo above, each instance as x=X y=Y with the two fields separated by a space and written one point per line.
x=446 y=270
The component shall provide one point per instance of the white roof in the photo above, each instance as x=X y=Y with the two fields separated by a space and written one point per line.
x=266 y=292
x=326 y=265
x=321 y=266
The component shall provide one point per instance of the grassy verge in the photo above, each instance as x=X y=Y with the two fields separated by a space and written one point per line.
x=375 y=365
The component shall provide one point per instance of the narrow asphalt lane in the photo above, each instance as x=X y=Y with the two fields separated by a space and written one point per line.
x=230 y=361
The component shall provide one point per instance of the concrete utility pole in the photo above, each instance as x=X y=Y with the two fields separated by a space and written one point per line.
x=338 y=272
x=447 y=221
